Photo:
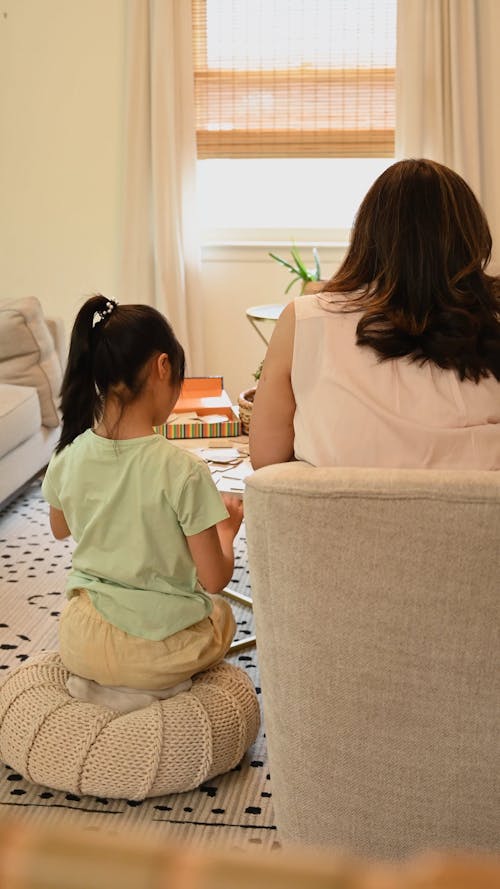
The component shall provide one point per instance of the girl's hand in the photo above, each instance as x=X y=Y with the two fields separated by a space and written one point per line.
x=231 y=525
x=212 y=549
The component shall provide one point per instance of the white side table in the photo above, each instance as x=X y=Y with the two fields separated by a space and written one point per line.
x=264 y=314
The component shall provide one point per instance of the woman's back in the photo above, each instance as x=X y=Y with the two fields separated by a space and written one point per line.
x=354 y=410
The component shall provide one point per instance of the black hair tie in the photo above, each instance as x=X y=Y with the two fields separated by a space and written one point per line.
x=102 y=314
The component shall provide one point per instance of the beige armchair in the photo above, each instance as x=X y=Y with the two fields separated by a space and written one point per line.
x=377 y=606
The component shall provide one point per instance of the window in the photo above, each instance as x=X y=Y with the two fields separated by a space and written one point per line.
x=298 y=80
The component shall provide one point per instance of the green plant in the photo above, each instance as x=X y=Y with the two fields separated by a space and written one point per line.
x=298 y=269
x=300 y=273
x=258 y=372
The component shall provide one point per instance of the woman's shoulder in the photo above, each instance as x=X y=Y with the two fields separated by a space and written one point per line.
x=326 y=306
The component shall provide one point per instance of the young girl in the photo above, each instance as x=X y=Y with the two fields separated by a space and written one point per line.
x=154 y=540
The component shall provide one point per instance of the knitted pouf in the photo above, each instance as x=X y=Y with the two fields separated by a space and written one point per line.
x=169 y=747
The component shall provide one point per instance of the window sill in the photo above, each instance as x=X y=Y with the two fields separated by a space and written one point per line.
x=253 y=245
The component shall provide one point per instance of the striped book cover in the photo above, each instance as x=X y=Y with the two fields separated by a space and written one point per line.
x=231 y=428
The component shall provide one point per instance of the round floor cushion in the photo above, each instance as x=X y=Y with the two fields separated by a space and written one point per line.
x=169 y=747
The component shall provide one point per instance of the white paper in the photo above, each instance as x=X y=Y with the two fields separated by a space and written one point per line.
x=183 y=417
x=239 y=472
x=214 y=418
x=182 y=421
x=220 y=455
x=230 y=486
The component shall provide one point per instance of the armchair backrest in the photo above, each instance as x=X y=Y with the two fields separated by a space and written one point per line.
x=376 y=600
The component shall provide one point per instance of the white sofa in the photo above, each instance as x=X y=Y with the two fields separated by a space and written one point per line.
x=32 y=355
x=377 y=608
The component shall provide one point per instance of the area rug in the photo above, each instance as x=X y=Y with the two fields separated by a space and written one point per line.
x=235 y=810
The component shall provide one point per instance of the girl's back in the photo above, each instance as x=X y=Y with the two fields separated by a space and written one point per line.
x=130 y=505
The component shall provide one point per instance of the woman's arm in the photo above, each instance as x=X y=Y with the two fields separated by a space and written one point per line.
x=271 y=427
x=58 y=524
x=212 y=550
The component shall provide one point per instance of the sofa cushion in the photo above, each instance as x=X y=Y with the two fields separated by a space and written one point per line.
x=19 y=415
x=27 y=354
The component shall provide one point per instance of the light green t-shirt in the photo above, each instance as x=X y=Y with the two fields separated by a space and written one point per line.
x=130 y=505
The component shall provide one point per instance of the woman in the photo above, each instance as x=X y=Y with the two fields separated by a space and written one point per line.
x=397 y=362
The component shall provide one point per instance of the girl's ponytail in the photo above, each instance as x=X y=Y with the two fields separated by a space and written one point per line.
x=80 y=400
x=110 y=345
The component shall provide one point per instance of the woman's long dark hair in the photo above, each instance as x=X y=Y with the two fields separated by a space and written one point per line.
x=111 y=344
x=416 y=268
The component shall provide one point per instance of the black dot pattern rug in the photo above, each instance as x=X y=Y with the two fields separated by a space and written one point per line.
x=234 y=810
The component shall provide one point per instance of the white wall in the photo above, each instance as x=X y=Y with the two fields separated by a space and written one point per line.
x=236 y=278
x=61 y=112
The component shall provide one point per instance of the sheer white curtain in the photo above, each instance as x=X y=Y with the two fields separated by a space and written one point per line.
x=448 y=69
x=160 y=261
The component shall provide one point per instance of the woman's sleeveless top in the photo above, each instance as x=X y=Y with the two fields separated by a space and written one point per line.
x=354 y=410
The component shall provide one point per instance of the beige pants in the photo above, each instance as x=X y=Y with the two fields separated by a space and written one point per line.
x=95 y=649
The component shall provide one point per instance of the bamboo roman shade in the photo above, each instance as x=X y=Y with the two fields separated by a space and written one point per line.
x=294 y=78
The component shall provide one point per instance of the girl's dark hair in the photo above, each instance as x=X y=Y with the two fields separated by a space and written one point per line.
x=111 y=344
x=416 y=266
